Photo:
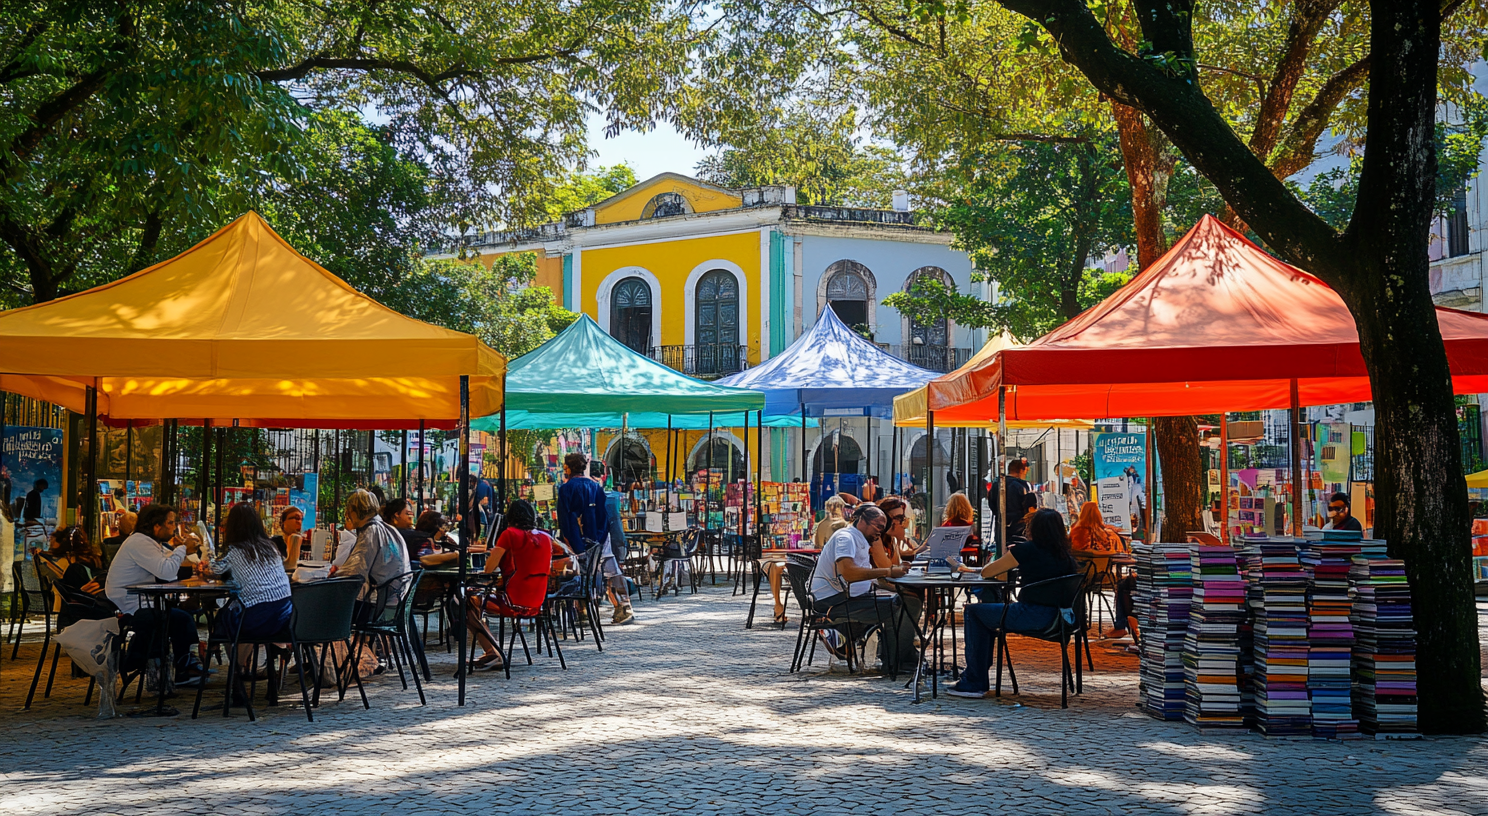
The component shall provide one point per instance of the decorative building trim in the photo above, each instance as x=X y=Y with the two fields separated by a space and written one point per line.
x=825 y=279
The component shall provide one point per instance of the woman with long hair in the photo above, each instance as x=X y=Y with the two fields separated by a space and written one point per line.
x=1092 y=538
x=262 y=606
x=524 y=556
x=76 y=563
x=1045 y=555
x=958 y=513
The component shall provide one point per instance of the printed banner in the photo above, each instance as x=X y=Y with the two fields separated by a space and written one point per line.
x=31 y=483
x=305 y=496
x=1120 y=473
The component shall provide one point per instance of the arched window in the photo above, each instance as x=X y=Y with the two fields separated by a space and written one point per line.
x=630 y=461
x=838 y=453
x=666 y=204
x=630 y=314
x=936 y=333
x=716 y=323
x=849 y=291
x=722 y=457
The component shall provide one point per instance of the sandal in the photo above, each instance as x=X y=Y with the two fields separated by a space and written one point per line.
x=488 y=662
x=781 y=619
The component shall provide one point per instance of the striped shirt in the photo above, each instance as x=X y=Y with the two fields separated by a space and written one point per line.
x=259 y=581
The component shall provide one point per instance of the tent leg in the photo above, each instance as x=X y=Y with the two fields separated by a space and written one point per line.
x=203 y=481
x=1296 y=435
x=90 y=485
x=930 y=470
x=1149 y=515
x=503 y=453
x=1002 y=466
x=1224 y=478
x=419 y=481
x=464 y=507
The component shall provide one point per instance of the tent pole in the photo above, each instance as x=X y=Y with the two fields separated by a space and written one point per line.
x=503 y=452
x=1224 y=478
x=930 y=470
x=1296 y=435
x=759 y=475
x=128 y=455
x=1002 y=466
x=90 y=483
x=217 y=481
x=671 y=442
x=419 y=480
x=708 y=481
x=336 y=485
x=203 y=483
x=894 y=460
x=804 y=453
x=1147 y=511
x=403 y=466
x=463 y=505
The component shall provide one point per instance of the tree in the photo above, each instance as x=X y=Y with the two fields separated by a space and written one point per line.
x=814 y=150
x=1033 y=215
x=130 y=124
x=581 y=190
x=1377 y=264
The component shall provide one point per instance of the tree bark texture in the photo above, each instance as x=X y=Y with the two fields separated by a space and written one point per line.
x=1378 y=266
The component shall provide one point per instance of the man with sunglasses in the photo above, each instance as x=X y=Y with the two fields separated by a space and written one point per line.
x=1343 y=517
x=842 y=586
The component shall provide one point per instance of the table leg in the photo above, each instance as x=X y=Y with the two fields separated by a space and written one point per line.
x=160 y=709
x=759 y=575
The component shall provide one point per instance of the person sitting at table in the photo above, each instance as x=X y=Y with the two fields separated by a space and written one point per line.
x=290 y=541
x=834 y=520
x=429 y=541
x=1091 y=537
x=524 y=556
x=154 y=553
x=112 y=543
x=842 y=586
x=958 y=513
x=77 y=566
x=1045 y=555
x=262 y=606
x=379 y=554
x=896 y=547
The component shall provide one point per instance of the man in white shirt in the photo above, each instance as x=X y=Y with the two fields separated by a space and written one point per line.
x=842 y=587
x=154 y=553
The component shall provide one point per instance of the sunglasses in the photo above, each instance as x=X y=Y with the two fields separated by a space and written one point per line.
x=896 y=519
x=1336 y=508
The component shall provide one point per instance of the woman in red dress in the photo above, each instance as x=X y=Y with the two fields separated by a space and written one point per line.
x=524 y=555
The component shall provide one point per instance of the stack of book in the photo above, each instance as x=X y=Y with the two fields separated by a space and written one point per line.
x=1277 y=594
x=1162 y=597
x=1384 y=691
x=1211 y=647
x=1330 y=633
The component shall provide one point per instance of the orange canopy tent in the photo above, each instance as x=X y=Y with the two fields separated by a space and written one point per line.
x=242 y=327
x=1215 y=325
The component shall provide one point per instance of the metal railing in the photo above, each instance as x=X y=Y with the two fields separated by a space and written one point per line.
x=706 y=361
x=935 y=358
x=855 y=215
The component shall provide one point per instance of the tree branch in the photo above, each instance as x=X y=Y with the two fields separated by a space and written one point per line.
x=325 y=63
x=1180 y=109
x=1296 y=150
x=1308 y=17
x=1168 y=27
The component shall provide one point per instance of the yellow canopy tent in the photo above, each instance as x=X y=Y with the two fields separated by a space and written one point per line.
x=910 y=407
x=1478 y=480
x=243 y=327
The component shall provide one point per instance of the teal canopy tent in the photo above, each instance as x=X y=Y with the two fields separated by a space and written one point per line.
x=583 y=378
x=540 y=420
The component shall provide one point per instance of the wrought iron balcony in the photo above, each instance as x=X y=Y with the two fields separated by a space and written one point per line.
x=703 y=361
x=935 y=358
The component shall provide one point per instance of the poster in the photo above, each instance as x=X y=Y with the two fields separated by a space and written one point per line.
x=305 y=495
x=1120 y=471
x=31 y=482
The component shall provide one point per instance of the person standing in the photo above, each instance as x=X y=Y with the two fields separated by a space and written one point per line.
x=154 y=553
x=583 y=516
x=32 y=510
x=1020 y=498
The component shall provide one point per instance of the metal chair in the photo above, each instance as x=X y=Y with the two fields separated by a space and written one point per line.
x=675 y=557
x=486 y=588
x=323 y=612
x=28 y=596
x=75 y=606
x=584 y=592
x=1067 y=590
x=386 y=619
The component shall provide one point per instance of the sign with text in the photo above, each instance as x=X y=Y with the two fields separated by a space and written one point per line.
x=1120 y=474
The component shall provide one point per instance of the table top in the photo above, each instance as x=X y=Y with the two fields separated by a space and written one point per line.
x=192 y=585
x=966 y=579
x=788 y=551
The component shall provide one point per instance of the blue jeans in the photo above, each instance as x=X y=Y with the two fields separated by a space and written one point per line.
x=982 y=621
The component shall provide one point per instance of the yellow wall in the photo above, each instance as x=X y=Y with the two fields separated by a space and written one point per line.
x=629 y=206
x=549 y=272
x=656 y=438
x=671 y=262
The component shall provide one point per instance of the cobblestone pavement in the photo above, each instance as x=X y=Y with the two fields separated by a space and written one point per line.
x=687 y=711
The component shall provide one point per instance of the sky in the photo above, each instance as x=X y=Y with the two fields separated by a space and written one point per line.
x=659 y=151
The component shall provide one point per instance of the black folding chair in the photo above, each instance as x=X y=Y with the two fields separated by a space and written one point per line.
x=585 y=592
x=323 y=617
x=486 y=587
x=386 y=620
x=75 y=606
x=1067 y=591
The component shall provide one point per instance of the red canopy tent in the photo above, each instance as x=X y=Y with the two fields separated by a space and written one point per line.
x=1215 y=325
